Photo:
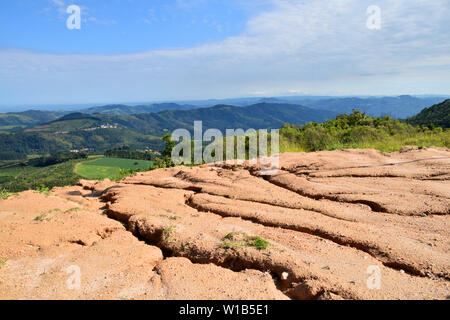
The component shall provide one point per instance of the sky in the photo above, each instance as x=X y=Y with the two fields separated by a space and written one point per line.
x=169 y=50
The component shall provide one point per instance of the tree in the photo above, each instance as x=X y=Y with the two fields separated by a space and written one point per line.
x=167 y=152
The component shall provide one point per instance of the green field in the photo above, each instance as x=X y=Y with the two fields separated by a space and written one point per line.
x=109 y=168
x=23 y=177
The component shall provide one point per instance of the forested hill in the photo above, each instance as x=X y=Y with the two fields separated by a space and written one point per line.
x=400 y=107
x=19 y=120
x=121 y=109
x=258 y=116
x=437 y=115
x=99 y=132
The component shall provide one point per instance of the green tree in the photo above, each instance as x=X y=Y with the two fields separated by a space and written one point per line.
x=167 y=152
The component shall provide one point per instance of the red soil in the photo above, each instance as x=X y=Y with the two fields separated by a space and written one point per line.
x=329 y=217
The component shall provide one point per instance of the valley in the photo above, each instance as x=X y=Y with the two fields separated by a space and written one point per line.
x=96 y=134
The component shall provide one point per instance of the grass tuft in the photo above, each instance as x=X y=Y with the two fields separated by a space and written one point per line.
x=42 y=217
x=258 y=243
x=166 y=233
x=43 y=190
x=237 y=239
x=4 y=195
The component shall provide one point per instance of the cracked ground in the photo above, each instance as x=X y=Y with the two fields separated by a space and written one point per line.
x=314 y=230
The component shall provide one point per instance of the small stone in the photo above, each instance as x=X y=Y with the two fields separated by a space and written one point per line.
x=284 y=275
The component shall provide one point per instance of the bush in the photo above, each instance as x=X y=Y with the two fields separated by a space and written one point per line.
x=357 y=130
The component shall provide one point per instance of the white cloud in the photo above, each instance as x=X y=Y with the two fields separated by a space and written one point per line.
x=58 y=2
x=316 y=46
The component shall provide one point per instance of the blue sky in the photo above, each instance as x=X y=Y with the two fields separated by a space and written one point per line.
x=120 y=26
x=161 y=50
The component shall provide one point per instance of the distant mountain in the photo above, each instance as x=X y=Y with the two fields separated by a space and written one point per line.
x=19 y=120
x=75 y=116
x=121 y=109
x=257 y=116
x=437 y=115
x=400 y=107
x=104 y=131
x=272 y=100
x=51 y=131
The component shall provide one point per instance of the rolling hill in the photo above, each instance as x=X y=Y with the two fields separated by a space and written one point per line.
x=258 y=116
x=400 y=107
x=122 y=109
x=437 y=115
x=15 y=121
x=100 y=132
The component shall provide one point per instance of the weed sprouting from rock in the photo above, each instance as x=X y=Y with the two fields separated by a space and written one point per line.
x=239 y=239
x=43 y=190
x=166 y=233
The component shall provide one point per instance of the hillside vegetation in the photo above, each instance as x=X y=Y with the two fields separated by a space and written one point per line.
x=258 y=116
x=26 y=177
x=61 y=170
x=400 y=107
x=96 y=140
x=358 y=130
x=355 y=130
x=437 y=115
x=19 y=120
x=101 y=132
x=397 y=107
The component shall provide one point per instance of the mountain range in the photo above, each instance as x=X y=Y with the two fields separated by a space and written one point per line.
x=258 y=116
x=126 y=109
x=99 y=132
x=399 y=107
x=100 y=128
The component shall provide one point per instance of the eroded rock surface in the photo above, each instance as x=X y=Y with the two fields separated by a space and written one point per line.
x=315 y=230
